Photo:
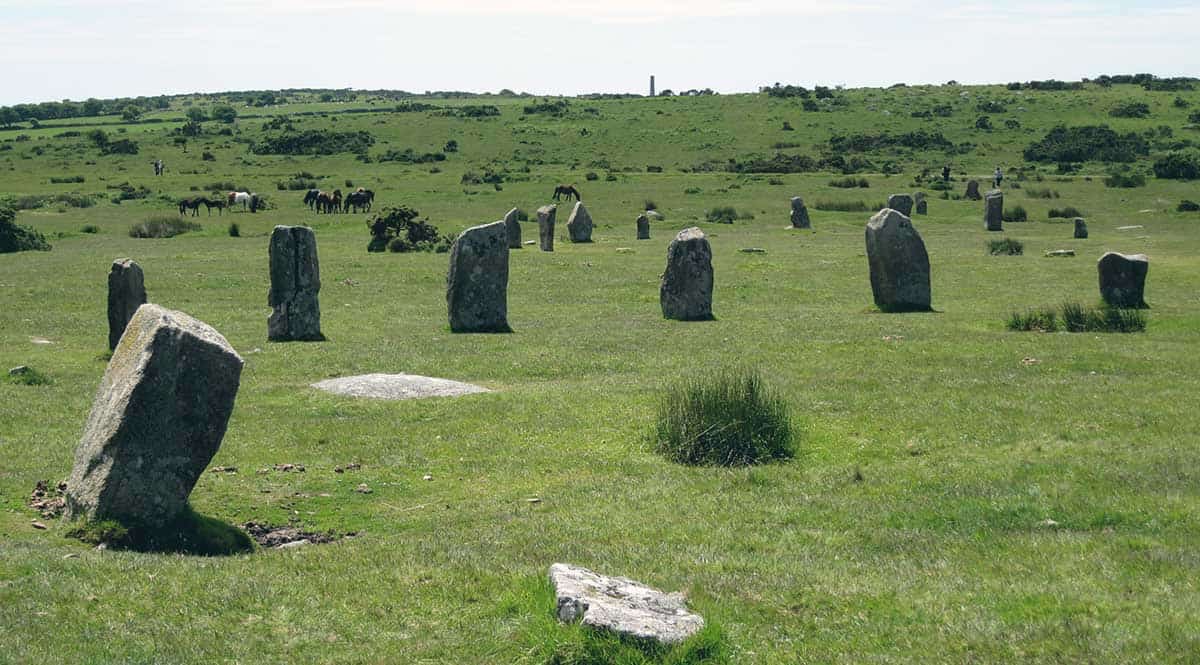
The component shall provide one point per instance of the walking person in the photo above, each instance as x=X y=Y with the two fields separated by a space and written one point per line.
x=997 y=178
x=946 y=173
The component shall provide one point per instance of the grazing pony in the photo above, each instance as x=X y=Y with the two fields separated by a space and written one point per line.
x=239 y=197
x=219 y=204
x=329 y=203
x=310 y=198
x=360 y=199
x=568 y=191
x=192 y=204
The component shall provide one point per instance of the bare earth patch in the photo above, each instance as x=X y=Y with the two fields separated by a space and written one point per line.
x=284 y=537
x=397 y=386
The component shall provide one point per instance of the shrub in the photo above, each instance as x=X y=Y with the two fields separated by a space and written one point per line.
x=1129 y=180
x=1040 y=320
x=66 y=180
x=844 y=206
x=89 y=228
x=787 y=126
x=313 y=142
x=729 y=418
x=651 y=168
x=17 y=238
x=917 y=140
x=410 y=156
x=1188 y=206
x=1015 y=214
x=398 y=230
x=1130 y=110
x=1182 y=165
x=1077 y=318
x=780 y=163
x=984 y=123
x=127 y=192
x=722 y=215
x=1069 y=212
x=1012 y=124
x=991 y=106
x=556 y=108
x=1194 y=117
x=774 y=181
x=1040 y=193
x=1081 y=144
x=591 y=176
x=296 y=184
x=1005 y=247
x=208 y=156
x=162 y=226
x=850 y=183
x=234 y=230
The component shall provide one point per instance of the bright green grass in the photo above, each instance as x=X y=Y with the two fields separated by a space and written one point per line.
x=941 y=553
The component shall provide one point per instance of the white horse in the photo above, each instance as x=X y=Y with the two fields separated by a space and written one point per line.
x=240 y=197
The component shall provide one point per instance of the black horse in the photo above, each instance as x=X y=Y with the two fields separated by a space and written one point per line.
x=568 y=191
x=218 y=203
x=363 y=199
x=310 y=198
x=192 y=204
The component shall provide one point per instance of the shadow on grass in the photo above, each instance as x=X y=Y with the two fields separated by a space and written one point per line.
x=546 y=641
x=190 y=533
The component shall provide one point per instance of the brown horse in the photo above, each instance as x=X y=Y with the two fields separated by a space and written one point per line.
x=329 y=203
x=192 y=204
x=568 y=191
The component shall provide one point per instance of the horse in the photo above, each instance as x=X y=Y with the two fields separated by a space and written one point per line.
x=310 y=198
x=568 y=191
x=329 y=203
x=239 y=197
x=219 y=204
x=193 y=204
x=360 y=199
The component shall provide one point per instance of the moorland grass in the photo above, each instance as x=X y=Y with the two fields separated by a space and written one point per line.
x=1076 y=318
x=162 y=226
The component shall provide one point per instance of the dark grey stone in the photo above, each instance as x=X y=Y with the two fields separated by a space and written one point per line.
x=898 y=263
x=545 y=215
x=993 y=211
x=687 y=284
x=1123 y=279
x=513 y=226
x=477 y=282
x=973 y=190
x=126 y=293
x=643 y=227
x=156 y=422
x=800 y=218
x=295 y=286
x=579 y=224
x=901 y=203
x=1081 y=230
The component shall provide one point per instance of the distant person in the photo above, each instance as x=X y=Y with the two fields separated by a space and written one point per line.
x=997 y=178
x=158 y=167
x=946 y=173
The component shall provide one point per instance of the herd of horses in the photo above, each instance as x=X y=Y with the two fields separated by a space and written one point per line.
x=321 y=201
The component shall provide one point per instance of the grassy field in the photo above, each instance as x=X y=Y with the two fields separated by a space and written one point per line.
x=961 y=494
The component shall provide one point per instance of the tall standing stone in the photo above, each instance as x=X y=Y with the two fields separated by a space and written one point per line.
x=545 y=216
x=973 y=190
x=1123 y=279
x=156 y=422
x=579 y=224
x=902 y=203
x=513 y=225
x=643 y=227
x=126 y=293
x=477 y=283
x=898 y=263
x=295 y=285
x=687 y=284
x=921 y=205
x=800 y=214
x=1080 y=228
x=993 y=210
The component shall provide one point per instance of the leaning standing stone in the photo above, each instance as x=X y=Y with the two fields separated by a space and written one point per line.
x=477 y=284
x=922 y=206
x=546 y=226
x=800 y=214
x=579 y=224
x=1123 y=279
x=126 y=293
x=156 y=422
x=622 y=606
x=973 y=190
x=643 y=227
x=513 y=225
x=295 y=284
x=993 y=210
x=687 y=284
x=1080 y=228
x=898 y=263
x=902 y=203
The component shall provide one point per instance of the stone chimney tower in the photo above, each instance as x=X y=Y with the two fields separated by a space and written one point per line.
x=652 y=85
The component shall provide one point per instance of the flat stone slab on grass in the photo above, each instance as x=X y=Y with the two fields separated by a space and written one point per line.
x=621 y=605
x=396 y=386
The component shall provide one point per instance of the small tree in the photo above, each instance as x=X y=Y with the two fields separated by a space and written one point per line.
x=195 y=114
x=224 y=113
x=131 y=113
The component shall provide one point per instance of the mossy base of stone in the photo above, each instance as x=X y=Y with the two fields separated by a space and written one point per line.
x=190 y=533
x=905 y=309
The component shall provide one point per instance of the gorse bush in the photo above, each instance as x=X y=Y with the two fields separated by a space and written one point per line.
x=724 y=418
x=162 y=226
x=1073 y=317
x=1182 y=165
x=17 y=238
x=1130 y=110
x=722 y=215
x=1014 y=214
x=313 y=142
x=850 y=183
x=1087 y=143
x=1069 y=212
x=1127 y=180
x=1005 y=247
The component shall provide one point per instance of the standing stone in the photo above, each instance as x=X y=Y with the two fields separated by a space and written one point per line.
x=1123 y=279
x=687 y=284
x=579 y=224
x=295 y=284
x=993 y=210
x=546 y=226
x=800 y=214
x=902 y=203
x=922 y=206
x=973 y=190
x=513 y=226
x=477 y=284
x=1080 y=228
x=622 y=606
x=898 y=262
x=156 y=422
x=643 y=227
x=126 y=293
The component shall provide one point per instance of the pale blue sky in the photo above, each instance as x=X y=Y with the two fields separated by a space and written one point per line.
x=56 y=49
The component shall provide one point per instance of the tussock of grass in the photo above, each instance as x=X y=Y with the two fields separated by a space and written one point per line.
x=1015 y=214
x=1040 y=193
x=724 y=418
x=1073 y=317
x=1005 y=247
x=722 y=215
x=1069 y=212
x=845 y=206
x=850 y=183
x=28 y=377
x=162 y=226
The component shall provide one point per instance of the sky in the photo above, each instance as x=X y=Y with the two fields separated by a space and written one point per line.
x=75 y=49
